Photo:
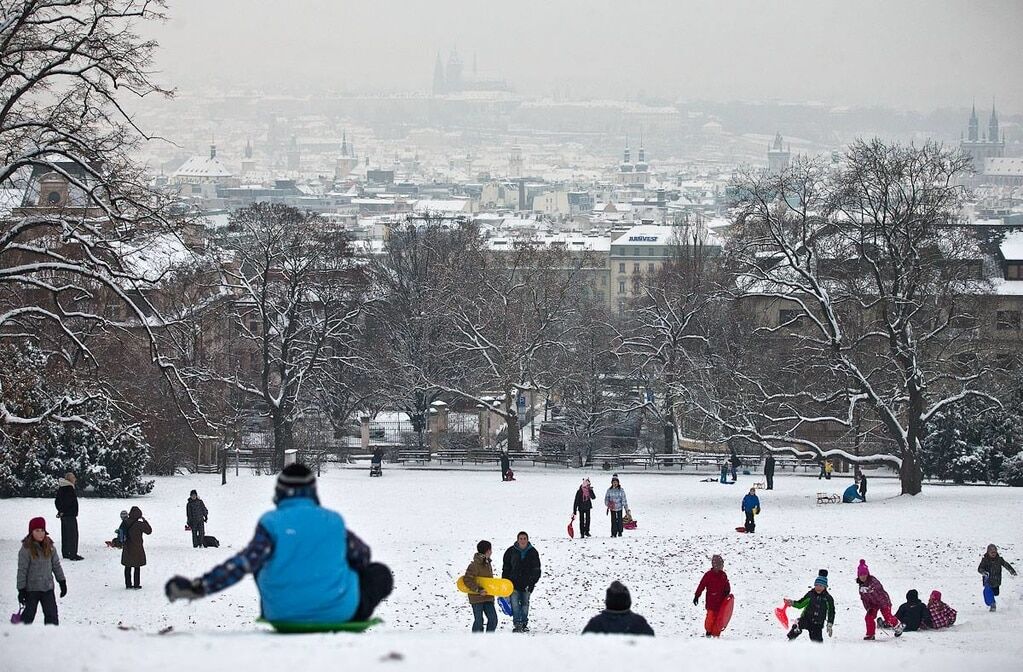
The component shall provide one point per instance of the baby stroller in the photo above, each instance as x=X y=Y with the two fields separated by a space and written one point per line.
x=376 y=463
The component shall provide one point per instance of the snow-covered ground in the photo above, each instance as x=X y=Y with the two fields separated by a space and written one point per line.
x=425 y=525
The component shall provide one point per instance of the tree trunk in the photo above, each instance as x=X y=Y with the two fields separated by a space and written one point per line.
x=282 y=440
x=669 y=437
x=514 y=440
x=910 y=474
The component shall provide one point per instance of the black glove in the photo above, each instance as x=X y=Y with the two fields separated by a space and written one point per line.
x=22 y=596
x=696 y=601
x=63 y=588
x=180 y=588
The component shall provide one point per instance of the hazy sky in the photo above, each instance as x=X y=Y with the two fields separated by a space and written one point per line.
x=907 y=54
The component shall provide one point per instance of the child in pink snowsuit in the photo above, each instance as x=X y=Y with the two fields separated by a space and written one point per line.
x=875 y=600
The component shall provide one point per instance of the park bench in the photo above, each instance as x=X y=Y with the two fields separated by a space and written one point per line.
x=413 y=455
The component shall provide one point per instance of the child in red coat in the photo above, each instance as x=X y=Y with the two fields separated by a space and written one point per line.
x=875 y=599
x=716 y=583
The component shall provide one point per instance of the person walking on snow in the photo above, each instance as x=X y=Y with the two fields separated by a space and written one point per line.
x=133 y=554
x=311 y=571
x=66 y=502
x=583 y=505
x=618 y=617
x=482 y=604
x=505 y=466
x=735 y=462
x=522 y=567
x=196 y=516
x=750 y=506
x=942 y=615
x=38 y=564
x=990 y=568
x=616 y=503
x=769 y=471
x=875 y=599
x=715 y=582
x=818 y=608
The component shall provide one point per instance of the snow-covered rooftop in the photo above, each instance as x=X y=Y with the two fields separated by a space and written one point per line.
x=1012 y=246
x=203 y=167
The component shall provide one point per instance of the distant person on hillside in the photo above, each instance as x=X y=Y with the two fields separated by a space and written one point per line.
x=521 y=566
x=616 y=503
x=863 y=486
x=875 y=599
x=196 y=516
x=583 y=504
x=715 y=582
x=618 y=617
x=829 y=468
x=482 y=603
x=133 y=553
x=751 y=507
x=851 y=494
x=769 y=470
x=913 y=614
x=733 y=459
x=66 y=502
x=311 y=571
x=942 y=615
x=990 y=568
x=506 y=472
x=818 y=608
x=38 y=564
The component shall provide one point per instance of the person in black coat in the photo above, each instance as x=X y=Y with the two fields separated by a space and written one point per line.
x=505 y=465
x=66 y=502
x=583 y=505
x=863 y=487
x=522 y=567
x=196 y=516
x=769 y=471
x=617 y=617
x=913 y=614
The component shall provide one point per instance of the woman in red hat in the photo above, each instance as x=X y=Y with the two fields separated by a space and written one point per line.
x=38 y=563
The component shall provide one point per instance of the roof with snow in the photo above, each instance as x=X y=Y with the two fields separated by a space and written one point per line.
x=203 y=167
x=1012 y=246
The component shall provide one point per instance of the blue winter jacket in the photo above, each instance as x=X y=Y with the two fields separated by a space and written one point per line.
x=851 y=494
x=750 y=502
x=307 y=578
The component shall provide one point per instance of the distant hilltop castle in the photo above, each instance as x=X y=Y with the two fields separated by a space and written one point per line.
x=981 y=148
x=451 y=78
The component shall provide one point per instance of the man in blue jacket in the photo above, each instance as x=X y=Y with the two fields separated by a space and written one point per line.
x=751 y=507
x=311 y=571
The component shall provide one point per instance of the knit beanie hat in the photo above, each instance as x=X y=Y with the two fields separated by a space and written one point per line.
x=193 y=493
x=822 y=578
x=935 y=596
x=618 y=598
x=862 y=570
x=38 y=523
x=124 y=514
x=717 y=562
x=296 y=480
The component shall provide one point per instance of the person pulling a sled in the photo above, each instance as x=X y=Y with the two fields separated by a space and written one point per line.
x=818 y=608
x=715 y=582
x=196 y=516
x=311 y=571
x=616 y=503
x=582 y=505
x=751 y=507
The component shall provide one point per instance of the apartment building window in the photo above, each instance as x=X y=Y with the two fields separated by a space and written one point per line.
x=1007 y=320
x=963 y=322
x=603 y=281
x=621 y=267
x=621 y=286
x=635 y=267
x=651 y=267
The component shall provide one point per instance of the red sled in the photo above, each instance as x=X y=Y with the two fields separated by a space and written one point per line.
x=571 y=530
x=741 y=529
x=782 y=616
x=724 y=615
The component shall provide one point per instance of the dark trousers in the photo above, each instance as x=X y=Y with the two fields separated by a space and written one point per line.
x=68 y=536
x=481 y=609
x=33 y=600
x=584 y=522
x=198 y=532
x=375 y=583
x=616 y=524
x=750 y=523
x=769 y=476
x=128 y=577
x=816 y=632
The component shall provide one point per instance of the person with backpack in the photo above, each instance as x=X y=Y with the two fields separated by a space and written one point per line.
x=38 y=564
x=875 y=599
x=196 y=516
x=751 y=507
x=715 y=582
x=990 y=568
x=618 y=617
x=583 y=505
x=818 y=609
x=616 y=503
x=522 y=567
x=482 y=604
x=311 y=571
x=133 y=554
x=66 y=502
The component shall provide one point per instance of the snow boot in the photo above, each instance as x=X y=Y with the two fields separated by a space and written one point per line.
x=869 y=638
x=899 y=627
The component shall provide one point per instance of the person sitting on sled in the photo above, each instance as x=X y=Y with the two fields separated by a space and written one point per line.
x=818 y=606
x=311 y=571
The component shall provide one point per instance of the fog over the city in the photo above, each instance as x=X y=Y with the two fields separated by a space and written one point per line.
x=914 y=55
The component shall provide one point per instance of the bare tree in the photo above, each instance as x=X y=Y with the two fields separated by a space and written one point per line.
x=861 y=278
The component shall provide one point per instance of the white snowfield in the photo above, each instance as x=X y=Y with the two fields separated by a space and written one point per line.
x=425 y=525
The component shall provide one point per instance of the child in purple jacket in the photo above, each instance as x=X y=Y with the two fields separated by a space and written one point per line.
x=875 y=599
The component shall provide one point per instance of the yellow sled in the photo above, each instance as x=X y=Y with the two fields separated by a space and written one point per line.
x=495 y=587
